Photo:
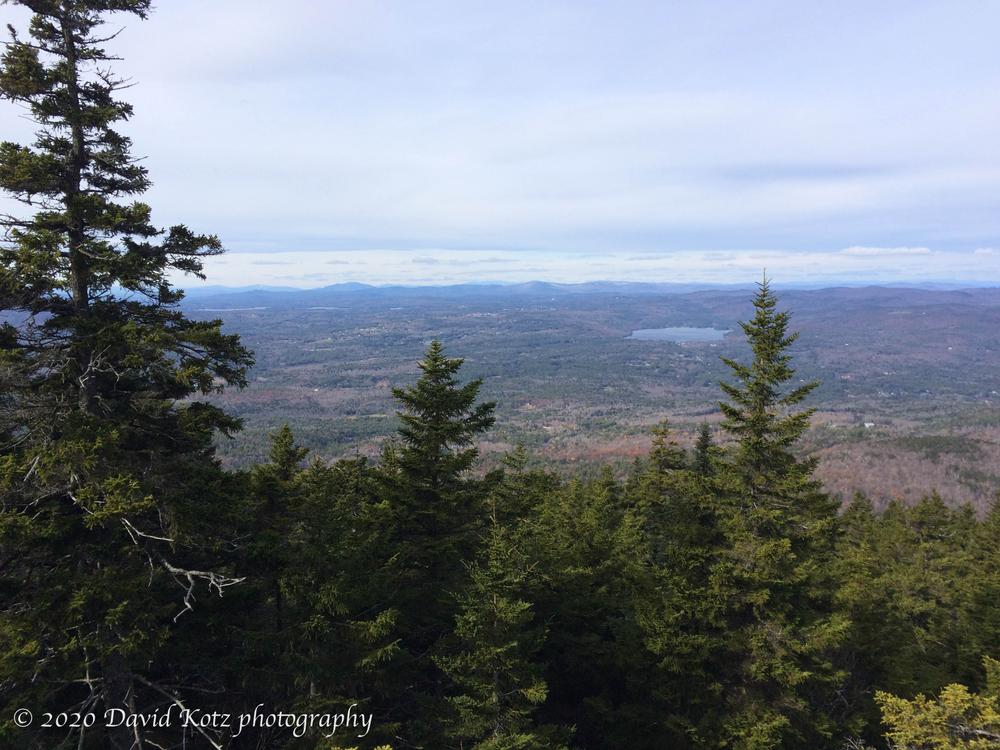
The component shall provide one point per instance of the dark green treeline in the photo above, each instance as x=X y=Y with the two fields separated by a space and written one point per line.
x=716 y=599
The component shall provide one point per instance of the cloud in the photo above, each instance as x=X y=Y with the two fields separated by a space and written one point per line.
x=802 y=266
x=306 y=277
x=799 y=127
x=804 y=171
x=886 y=251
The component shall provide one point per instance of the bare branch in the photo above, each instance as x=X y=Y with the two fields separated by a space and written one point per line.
x=214 y=580
x=177 y=702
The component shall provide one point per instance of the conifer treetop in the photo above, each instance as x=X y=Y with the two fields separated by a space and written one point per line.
x=758 y=414
x=84 y=261
x=440 y=419
x=666 y=454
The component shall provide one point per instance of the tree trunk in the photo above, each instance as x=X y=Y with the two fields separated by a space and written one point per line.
x=74 y=224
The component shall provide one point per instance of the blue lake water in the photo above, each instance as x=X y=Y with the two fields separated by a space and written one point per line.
x=678 y=334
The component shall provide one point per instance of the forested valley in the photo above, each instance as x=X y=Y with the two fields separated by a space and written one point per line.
x=713 y=598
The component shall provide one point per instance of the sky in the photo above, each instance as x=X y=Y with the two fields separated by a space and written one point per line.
x=435 y=142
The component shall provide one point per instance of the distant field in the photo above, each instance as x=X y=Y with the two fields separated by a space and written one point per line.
x=908 y=403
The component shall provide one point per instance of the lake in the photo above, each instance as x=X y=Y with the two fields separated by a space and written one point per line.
x=678 y=334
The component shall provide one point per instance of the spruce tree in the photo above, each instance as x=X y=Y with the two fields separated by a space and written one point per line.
x=108 y=472
x=666 y=454
x=773 y=576
x=516 y=491
x=705 y=453
x=676 y=512
x=440 y=420
x=980 y=615
x=491 y=659
x=262 y=617
x=759 y=414
x=436 y=508
x=590 y=549
x=338 y=642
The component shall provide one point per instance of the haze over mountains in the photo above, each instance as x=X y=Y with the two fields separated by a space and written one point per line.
x=290 y=294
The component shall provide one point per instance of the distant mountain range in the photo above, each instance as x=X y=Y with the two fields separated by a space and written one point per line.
x=283 y=296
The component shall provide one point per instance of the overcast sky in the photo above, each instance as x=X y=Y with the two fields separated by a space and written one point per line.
x=669 y=141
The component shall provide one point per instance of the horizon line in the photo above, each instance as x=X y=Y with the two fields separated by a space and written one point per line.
x=818 y=285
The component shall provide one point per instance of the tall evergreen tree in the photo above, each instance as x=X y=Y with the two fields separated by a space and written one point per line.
x=440 y=420
x=600 y=677
x=498 y=683
x=676 y=511
x=107 y=477
x=758 y=414
x=340 y=644
x=981 y=617
x=436 y=510
x=261 y=617
x=274 y=490
x=774 y=574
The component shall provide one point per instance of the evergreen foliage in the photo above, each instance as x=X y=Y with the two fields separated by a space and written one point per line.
x=498 y=685
x=440 y=420
x=705 y=453
x=435 y=510
x=956 y=720
x=112 y=499
x=590 y=547
x=264 y=663
x=773 y=577
x=909 y=582
x=343 y=640
x=666 y=454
